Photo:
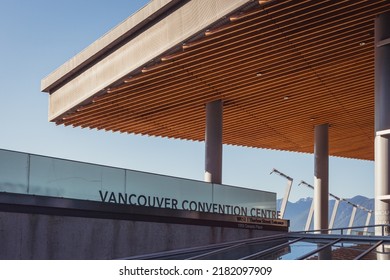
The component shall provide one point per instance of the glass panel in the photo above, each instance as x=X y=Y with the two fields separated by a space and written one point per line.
x=244 y=250
x=382 y=252
x=252 y=201
x=342 y=251
x=40 y=175
x=62 y=178
x=349 y=250
x=168 y=192
x=185 y=256
x=372 y=256
x=13 y=172
x=291 y=252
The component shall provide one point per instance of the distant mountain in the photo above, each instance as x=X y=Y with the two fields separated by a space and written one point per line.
x=297 y=212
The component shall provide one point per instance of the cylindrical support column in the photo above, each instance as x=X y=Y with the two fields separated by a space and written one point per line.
x=334 y=213
x=382 y=186
x=321 y=177
x=382 y=120
x=213 y=142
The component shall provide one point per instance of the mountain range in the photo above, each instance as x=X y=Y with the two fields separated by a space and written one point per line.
x=297 y=212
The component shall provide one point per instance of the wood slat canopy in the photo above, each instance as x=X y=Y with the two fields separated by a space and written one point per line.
x=280 y=67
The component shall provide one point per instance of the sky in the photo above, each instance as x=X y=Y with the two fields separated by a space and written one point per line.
x=39 y=36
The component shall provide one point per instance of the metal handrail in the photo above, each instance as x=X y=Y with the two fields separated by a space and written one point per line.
x=216 y=251
x=272 y=249
x=206 y=247
x=323 y=240
x=342 y=229
x=319 y=249
x=369 y=250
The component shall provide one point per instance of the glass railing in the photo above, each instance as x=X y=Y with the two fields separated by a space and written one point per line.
x=30 y=174
x=290 y=252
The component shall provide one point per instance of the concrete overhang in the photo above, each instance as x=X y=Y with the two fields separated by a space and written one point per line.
x=281 y=67
x=157 y=28
x=107 y=42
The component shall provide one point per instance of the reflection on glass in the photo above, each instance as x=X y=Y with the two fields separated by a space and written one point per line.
x=343 y=251
x=373 y=255
x=382 y=252
x=291 y=252
x=244 y=197
x=155 y=185
x=62 y=178
x=13 y=172
x=40 y=175
x=349 y=250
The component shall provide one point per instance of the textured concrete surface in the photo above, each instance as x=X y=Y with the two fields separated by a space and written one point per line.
x=35 y=236
x=131 y=25
x=102 y=71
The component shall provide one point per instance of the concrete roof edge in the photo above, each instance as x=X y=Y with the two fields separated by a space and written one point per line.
x=98 y=48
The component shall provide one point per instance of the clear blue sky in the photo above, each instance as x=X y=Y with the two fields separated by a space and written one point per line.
x=38 y=36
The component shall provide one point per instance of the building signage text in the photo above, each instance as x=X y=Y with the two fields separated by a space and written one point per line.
x=189 y=205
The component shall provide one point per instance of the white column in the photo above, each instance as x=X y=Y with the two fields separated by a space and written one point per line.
x=369 y=213
x=309 y=216
x=287 y=191
x=213 y=142
x=334 y=213
x=321 y=175
x=285 y=199
x=382 y=120
x=382 y=186
x=352 y=219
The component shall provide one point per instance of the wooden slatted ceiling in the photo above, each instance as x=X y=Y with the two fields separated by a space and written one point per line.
x=280 y=68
